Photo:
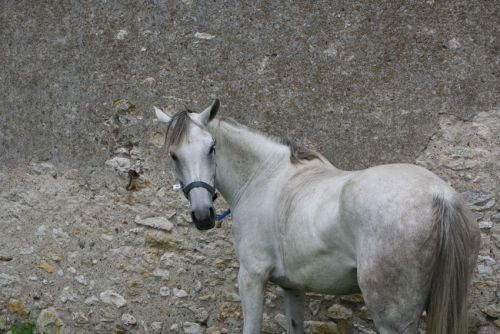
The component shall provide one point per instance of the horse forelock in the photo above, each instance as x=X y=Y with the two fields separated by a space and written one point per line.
x=178 y=128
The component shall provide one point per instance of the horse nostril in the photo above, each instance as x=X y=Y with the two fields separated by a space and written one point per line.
x=201 y=214
x=204 y=219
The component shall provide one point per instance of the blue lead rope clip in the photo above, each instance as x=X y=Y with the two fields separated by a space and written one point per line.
x=223 y=215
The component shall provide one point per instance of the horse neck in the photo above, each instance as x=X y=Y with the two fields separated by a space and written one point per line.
x=241 y=156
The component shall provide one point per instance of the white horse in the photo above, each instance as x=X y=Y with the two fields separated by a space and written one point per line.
x=397 y=233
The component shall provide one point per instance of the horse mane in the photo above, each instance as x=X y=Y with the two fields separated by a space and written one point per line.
x=177 y=130
x=298 y=154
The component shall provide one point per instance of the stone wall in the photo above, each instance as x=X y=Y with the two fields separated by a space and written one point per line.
x=82 y=254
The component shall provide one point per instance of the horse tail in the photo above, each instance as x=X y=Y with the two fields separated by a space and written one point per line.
x=457 y=246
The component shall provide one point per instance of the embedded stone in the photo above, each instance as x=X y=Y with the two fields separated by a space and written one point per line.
x=134 y=287
x=160 y=239
x=314 y=306
x=119 y=164
x=485 y=225
x=107 y=316
x=492 y=310
x=107 y=237
x=161 y=273
x=478 y=198
x=82 y=280
x=180 y=293
x=113 y=298
x=44 y=265
x=80 y=318
x=213 y=330
x=48 y=322
x=121 y=34
x=160 y=223
x=150 y=81
x=204 y=35
x=55 y=256
x=156 y=327
x=364 y=313
x=484 y=270
x=67 y=294
x=92 y=300
x=337 y=312
x=355 y=298
x=192 y=328
x=128 y=319
x=280 y=319
x=17 y=306
x=164 y=291
x=321 y=327
x=487 y=330
x=457 y=163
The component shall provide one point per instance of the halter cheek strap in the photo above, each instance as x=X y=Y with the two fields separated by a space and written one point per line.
x=199 y=184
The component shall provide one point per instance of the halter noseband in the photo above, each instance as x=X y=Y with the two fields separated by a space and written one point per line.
x=199 y=184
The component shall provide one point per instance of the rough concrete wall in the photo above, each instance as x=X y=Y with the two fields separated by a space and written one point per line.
x=363 y=81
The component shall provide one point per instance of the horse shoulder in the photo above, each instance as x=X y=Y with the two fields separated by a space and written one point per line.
x=309 y=208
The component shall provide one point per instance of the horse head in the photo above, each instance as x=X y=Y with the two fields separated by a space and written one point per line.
x=192 y=148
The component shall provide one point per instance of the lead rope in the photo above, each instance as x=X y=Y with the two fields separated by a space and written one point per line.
x=223 y=215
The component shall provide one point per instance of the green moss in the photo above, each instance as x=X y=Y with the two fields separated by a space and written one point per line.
x=23 y=328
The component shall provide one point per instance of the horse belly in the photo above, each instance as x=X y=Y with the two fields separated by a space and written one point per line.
x=329 y=274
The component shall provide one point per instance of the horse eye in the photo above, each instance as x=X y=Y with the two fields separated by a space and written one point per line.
x=212 y=149
x=174 y=157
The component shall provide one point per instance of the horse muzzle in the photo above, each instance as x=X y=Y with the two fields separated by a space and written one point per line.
x=203 y=218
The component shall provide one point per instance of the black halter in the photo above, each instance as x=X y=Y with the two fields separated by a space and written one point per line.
x=199 y=184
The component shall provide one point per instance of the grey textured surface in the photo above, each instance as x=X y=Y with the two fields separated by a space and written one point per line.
x=363 y=82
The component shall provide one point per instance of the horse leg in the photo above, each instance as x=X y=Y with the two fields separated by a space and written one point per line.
x=251 y=288
x=294 y=307
x=395 y=288
x=394 y=294
x=394 y=315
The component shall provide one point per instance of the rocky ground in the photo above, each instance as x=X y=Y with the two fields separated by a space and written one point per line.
x=79 y=253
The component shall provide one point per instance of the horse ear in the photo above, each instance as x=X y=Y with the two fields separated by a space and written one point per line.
x=209 y=114
x=162 y=117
